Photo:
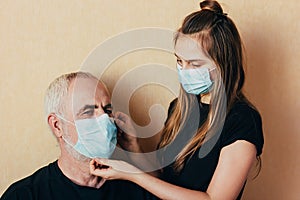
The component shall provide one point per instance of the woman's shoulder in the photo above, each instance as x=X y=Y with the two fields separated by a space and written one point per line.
x=243 y=122
x=244 y=110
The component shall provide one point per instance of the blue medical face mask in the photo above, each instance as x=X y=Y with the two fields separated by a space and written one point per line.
x=97 y=137
x=195 y=81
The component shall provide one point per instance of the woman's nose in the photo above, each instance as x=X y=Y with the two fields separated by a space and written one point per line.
x=186 y=65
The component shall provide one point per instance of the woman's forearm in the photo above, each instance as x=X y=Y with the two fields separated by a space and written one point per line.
x=166 y=190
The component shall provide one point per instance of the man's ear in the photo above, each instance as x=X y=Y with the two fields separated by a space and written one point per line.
x=55 y=125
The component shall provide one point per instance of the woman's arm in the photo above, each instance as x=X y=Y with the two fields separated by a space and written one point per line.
x=232 y=170
x=231 y=173
x=122 y=170
x=127 y=139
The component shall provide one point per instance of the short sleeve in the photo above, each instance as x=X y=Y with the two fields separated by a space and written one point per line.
x=243 y=123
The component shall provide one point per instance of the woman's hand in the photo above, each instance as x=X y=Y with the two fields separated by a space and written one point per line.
x=127 y=137
x=112 y=169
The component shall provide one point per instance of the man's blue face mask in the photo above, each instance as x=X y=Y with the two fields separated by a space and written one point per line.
x=97 y=137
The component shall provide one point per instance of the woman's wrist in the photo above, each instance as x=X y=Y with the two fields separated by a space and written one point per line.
x=136 y=177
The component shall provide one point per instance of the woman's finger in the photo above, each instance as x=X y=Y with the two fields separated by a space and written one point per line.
x=121 y=116
x=102 y=161
x=119 y=123
x=104 y=173
x=92 y=165
x=97 y=168
x=98 y=163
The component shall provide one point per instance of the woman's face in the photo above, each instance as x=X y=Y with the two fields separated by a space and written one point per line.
x=190 y=54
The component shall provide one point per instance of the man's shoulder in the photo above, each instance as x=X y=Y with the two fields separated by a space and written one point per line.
x=24 y=186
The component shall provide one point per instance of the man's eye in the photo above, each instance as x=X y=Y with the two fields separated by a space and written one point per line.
x=179 y=62
x=108 y=111
x=89 y=112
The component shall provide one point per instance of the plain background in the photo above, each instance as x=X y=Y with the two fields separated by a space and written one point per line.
x=41 y=40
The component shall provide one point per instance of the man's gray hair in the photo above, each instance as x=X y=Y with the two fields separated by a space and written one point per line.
x=57 y=91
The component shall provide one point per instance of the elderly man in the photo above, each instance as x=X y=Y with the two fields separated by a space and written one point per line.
x=78 y=111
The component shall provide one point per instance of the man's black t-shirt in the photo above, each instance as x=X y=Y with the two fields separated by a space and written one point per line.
x=241 y=123
x=49 y=183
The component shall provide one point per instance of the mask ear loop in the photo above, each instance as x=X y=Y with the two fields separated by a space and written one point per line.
x=62 y=118
x=212 y=69
x=59 y=116
x=212 y=74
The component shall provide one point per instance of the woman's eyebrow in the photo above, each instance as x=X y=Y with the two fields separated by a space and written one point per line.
x=192 y=60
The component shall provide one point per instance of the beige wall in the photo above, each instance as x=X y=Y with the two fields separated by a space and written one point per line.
x=43 y=39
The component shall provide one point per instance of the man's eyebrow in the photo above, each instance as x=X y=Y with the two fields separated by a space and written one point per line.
x=177 y=55
x=107 y=106
x=193 y=60
x=87 y=107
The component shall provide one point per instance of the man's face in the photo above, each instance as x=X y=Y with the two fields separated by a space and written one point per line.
x=87 y=98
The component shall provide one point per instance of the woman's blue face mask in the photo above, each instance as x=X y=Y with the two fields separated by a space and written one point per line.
x=195 y=80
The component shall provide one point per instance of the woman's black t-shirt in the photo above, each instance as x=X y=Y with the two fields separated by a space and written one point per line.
x=241 y=123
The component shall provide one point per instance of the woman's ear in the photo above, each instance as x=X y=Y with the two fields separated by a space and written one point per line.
x=55 y=125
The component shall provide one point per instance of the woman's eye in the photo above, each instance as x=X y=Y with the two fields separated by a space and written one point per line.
x=196 y=64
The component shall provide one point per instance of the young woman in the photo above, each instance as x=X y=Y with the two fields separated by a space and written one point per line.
x=213 y=132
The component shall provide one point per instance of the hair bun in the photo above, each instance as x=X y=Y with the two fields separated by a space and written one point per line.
x=213 y=6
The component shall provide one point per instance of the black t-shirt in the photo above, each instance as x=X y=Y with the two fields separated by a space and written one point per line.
x=241 y=123
x=49 y=183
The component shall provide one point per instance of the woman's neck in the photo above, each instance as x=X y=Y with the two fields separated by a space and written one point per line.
x=205 y=98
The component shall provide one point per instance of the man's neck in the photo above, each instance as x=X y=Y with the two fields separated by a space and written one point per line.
x=78 y=171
